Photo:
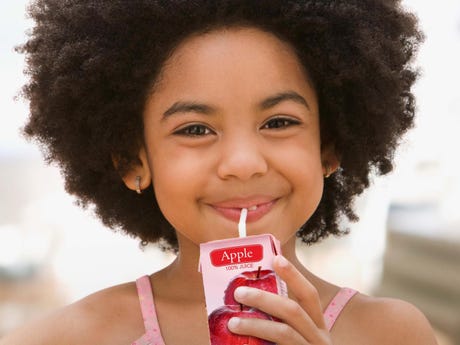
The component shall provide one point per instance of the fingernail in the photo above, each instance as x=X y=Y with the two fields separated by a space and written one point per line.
x=240 y=292
x=282 y=262
x=233 y=323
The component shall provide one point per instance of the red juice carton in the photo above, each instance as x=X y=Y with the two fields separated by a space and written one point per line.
x=228 y=264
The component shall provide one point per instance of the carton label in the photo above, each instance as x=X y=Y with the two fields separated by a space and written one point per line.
x=236 y=255
x=228 y=264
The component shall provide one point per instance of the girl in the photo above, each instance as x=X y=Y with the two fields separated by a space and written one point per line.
x=171 y=116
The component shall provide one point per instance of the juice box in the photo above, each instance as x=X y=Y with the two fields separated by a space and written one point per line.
x=227 y=264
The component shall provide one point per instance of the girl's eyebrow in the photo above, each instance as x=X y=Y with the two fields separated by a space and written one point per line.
x=281 y=97
x=267 y=103
x=187 y=106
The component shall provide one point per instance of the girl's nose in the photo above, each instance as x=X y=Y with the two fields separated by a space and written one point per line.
x=241 y=158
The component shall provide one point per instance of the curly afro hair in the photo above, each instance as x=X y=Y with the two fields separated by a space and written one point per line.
x=92 y=64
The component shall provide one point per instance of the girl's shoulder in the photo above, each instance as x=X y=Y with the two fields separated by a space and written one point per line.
x=110 y=316
x=377 y=320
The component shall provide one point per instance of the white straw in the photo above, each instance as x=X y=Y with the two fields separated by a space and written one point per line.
x=242 y=223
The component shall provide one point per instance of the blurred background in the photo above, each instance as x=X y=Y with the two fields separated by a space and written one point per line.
x=406 y=245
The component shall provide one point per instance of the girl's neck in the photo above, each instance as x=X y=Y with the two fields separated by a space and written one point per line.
x=183 y=271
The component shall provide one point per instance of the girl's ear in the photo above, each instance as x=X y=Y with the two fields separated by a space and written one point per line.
x=138 y=177
x=329 y=159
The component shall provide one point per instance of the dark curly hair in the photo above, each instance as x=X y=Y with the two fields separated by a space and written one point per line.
x=92 y=65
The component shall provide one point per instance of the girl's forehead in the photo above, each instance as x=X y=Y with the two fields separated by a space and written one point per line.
x=232 y=59
x=222 y=39
x=231 y=71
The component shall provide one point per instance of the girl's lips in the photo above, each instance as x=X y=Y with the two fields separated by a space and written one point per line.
x=254 y=213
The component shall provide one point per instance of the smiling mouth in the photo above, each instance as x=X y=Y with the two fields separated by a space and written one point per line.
x=255 y=212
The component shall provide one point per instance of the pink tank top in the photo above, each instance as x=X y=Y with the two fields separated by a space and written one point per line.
x=153 y=336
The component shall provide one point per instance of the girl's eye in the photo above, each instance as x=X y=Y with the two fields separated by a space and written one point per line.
x=194 y=131
x=280 y=122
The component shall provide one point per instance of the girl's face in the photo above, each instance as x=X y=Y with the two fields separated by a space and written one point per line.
x=234 y=123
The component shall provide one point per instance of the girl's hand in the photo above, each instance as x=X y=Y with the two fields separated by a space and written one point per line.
x=302 y=322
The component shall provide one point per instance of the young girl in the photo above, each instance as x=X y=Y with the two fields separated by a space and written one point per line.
x=171 y=116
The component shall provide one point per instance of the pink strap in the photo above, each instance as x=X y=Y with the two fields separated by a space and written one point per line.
x=152 y=334
x=336 y=306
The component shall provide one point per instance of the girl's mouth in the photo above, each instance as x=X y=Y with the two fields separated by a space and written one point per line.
x=255 y=211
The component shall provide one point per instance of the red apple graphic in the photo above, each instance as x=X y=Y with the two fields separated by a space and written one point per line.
x=221 y=335
x=261 y=279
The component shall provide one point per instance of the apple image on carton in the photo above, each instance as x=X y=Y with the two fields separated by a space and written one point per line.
x=260 y=279
x=221 y=335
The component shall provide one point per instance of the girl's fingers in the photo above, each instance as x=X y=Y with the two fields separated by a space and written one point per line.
x=292 y=315
x=303 y=291
x=302 y=316
x=276 y=332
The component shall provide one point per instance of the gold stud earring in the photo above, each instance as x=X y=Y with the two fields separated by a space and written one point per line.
x=138 y=185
